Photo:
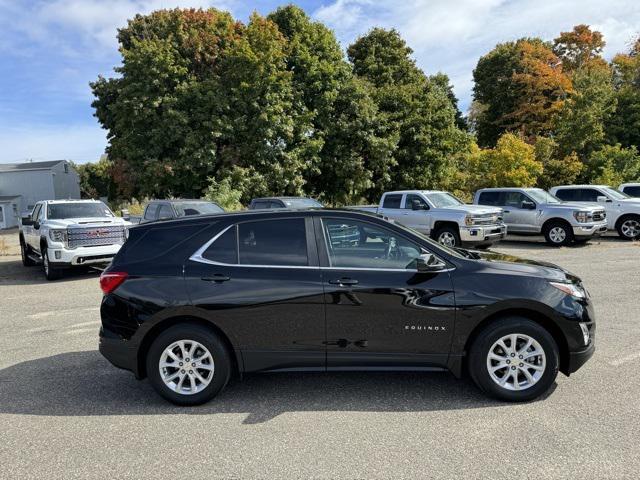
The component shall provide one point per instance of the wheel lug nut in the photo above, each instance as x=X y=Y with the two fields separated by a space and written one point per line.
x=520 y=357
x=193 y=364
x=181 y=371
x=187 y=360
x=180 y=363
x=191 y=372
x=513 y=354
x=508 y=361
x=513 y=367
x=522 y=364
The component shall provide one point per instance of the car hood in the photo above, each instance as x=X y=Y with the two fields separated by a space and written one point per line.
x=572 y=206
x=511 y=263
x=473 y=209
x=87 y=222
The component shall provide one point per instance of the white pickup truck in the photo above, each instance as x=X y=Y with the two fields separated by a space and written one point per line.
x=443 y=217
x=623 y=211
x=65 y=233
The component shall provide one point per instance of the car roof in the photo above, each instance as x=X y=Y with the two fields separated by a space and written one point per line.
x=281 y=198
x=507 y=189
x=71 y=200
x=180 y=200
x=398 y=192
x=630 y=184
x=581 y=186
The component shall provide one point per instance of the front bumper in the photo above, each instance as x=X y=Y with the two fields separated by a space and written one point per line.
x=63 y=256
x=483 y=233
x=577 y=359
x=590 y=229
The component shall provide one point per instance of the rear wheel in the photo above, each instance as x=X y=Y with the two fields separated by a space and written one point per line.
x=514 y=359
x=188 y=364
x=629 y=227
x=50 y=272
x=558 y=233
x=448 y=236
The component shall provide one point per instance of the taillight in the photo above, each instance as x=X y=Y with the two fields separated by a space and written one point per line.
x=109 y=281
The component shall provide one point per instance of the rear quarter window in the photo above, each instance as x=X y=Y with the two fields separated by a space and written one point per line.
x=392 y=201
x=632 y=191
x=152 y=243
x=491 y=198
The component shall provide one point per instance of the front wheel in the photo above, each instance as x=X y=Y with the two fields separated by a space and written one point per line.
x=448 y=236
x=629 y=227
x=558 y=234
x=188 y=364
x=514 y=359
x=50 y=273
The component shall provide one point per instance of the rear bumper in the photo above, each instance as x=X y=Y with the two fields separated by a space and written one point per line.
x=590 y=229
x=119 y=353
x=483 y=233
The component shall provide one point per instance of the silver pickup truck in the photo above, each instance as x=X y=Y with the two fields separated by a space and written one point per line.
x=443 y=217
x=534 y=211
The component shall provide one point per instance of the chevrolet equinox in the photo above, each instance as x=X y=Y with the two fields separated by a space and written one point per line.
x=189 y=302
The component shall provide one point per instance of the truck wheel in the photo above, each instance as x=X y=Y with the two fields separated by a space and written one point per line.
x=188 y=364
x=558 y=233
x=514 y=359
x=24 y=253
x=50 y=272
x=628 y=227
x=448 y=236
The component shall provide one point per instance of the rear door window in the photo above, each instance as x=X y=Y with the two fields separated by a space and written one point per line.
x=273 y=242
x=165 y=212
x=514 y=199
x=495 y=199
x=632 y=191
x=392 y=201
x=588 y=194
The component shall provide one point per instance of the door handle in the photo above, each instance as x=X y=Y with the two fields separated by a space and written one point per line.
x=507 y=211
x=218 y=278
x=344 y=282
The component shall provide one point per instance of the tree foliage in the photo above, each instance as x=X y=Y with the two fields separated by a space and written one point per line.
x=579 y=47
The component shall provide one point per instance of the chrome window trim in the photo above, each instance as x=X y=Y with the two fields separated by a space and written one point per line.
x=197 y=257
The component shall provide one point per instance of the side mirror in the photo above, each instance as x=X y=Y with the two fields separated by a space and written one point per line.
x=602 y=199
x=428 y=262
x=26 y=220
x=124 y=213
x=416 y=205
x=527 y=205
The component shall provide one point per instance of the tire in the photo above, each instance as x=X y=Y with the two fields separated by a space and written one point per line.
x=24 y=253
x=558 y=233
x=628 y=227
x=50 y=272
x=448 y=236
x=488 y=342
x=183 y=337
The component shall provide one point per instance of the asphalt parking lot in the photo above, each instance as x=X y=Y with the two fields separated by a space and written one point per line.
x=65 y=412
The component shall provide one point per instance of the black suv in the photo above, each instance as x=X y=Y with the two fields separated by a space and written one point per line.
x=189 y=302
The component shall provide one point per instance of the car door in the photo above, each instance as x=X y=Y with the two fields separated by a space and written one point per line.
x=381 y=312
x=28 y=230
x=392 y=206
x=517 y=218
x=37 y=217
x=260 y=282
x=416 y=217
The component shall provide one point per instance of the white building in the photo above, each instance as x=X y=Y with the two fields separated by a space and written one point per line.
x=24 y=184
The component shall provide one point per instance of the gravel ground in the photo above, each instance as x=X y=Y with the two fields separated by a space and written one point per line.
x=67 y=413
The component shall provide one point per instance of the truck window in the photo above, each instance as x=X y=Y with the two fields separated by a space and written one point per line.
x=633 y=191
x=150 y=212
x=392 y=201
x=411 y=198
x=514 y=199
x=567 y=194
x=165 y=212
x=587 y=194
x=495 y=199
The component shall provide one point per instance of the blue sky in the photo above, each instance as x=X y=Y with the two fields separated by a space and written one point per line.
x=51 y=49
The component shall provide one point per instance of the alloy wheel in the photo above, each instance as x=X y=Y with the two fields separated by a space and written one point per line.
x=557 y=234
x=186 y=367
x=630 y=228
x=516 y=362
x=447 y=239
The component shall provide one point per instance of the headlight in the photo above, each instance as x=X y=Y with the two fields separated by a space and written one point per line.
x=582 y=217
x=58 y=235
x=569 y=288
x=468 y=220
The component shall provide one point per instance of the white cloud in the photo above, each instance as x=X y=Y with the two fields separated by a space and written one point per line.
x=80 y=143
x=450 y=36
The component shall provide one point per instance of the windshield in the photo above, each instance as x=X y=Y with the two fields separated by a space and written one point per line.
x=443 y=199
x=301 y=203
x=615 y=194
x=60 y=211
x=185 y=209
x=540 y=196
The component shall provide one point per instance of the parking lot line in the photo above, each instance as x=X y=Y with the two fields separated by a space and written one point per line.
x=628 y=358
x=52 y=313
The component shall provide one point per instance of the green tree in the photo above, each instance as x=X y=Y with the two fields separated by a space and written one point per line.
x=413 y=108
x=624 y=125
x=519 y=87
x=613 y=165
x=96 y=179
x=580 y=124
x=556 y=169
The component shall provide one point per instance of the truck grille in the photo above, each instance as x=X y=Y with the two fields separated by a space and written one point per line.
x=95 y=236
x=599 y=215
x=487 y=219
